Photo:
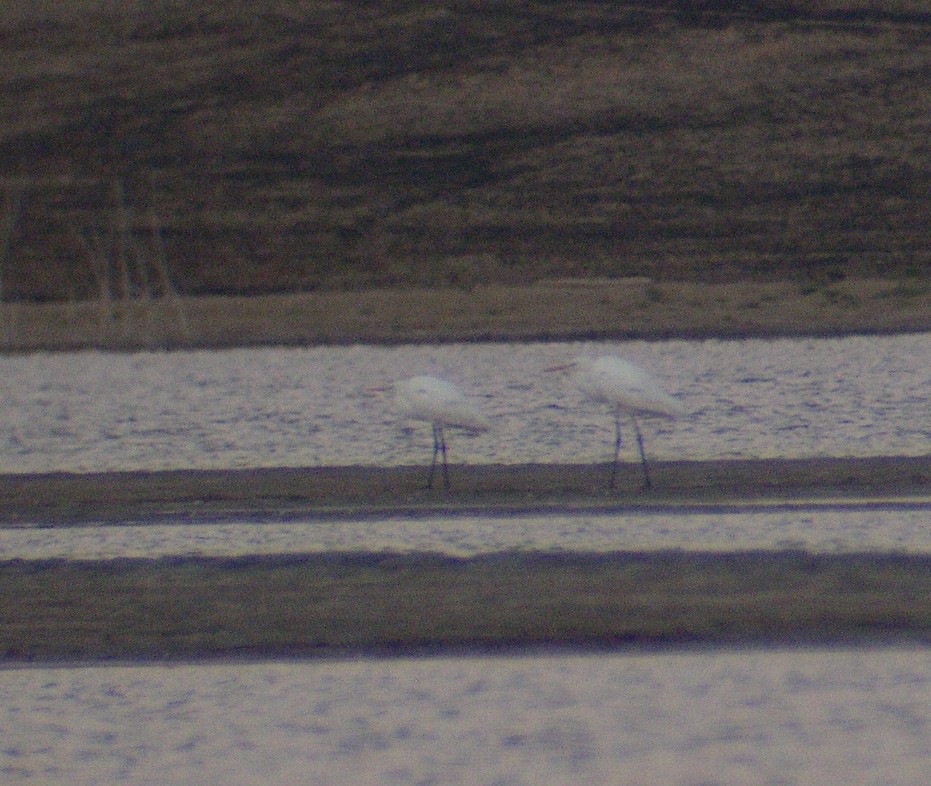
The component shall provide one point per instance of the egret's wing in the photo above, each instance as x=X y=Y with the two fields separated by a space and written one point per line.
x=614 y=380
x=437 y=401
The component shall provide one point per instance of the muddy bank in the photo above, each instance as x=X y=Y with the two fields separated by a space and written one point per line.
x=337 y=604
x=63 y=498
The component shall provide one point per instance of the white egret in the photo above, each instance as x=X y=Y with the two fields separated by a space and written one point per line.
x=629 y=390
x=442 y=405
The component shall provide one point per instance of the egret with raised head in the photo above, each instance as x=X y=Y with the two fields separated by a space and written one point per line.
x=629 y=390
x=443 y=405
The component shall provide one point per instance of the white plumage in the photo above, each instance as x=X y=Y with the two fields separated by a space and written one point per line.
x=629 y=390
x=439 y=403
x=443 y=405
x=620 y=383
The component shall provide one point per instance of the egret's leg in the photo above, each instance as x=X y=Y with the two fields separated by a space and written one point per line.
x=617 y=445
x=437 y=433
x=647 y=484
x=445 y=467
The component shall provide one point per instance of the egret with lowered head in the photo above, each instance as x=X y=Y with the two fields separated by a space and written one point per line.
x=629 y=390
x=442 y=405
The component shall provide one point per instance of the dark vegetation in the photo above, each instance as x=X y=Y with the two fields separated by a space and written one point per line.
x=401 y=604
x=272 y=145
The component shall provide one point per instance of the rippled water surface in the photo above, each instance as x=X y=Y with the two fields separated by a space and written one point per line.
x=721 y=717
x=300 y=407
x=818 y=530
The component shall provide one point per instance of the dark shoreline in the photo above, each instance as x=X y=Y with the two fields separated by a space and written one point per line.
x=186 y=609
x=60 y=499
x=340 y=605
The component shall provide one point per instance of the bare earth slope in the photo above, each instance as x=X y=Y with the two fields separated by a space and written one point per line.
x=257 y=146
x=73 y=499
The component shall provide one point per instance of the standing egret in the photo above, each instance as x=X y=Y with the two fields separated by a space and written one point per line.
x=628 y=389
x=441 y=404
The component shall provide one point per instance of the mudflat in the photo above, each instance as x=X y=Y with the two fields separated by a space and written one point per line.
x=338 y=604
x=60 y=499
x=364 y=604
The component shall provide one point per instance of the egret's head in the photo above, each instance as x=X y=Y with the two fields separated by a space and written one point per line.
x=576 y=365
x=377 y=391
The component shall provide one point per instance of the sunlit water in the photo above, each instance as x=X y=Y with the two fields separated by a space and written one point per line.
x=718 y=717
x=315 y=406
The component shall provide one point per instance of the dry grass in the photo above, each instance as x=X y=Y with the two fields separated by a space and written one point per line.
x=298 y=145
x=561 y=309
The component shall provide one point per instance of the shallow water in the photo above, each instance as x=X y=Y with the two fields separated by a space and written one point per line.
x=714 y=717
x=719 y=717
x=302 y=407
x=817 y=529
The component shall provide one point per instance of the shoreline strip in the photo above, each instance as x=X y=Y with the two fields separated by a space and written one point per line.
x=603 y=309
x=331 y=605
x=62 y=498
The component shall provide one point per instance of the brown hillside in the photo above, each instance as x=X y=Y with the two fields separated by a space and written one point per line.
x=260 y=146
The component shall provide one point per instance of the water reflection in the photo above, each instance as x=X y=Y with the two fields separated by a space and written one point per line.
x=300 y=407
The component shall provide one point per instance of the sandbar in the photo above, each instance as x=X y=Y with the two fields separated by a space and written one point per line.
x=61 y=499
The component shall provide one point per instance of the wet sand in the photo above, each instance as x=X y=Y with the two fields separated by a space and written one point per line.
x=60 y=499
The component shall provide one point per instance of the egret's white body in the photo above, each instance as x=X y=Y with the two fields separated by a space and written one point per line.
x=629 y=390
x=620 y=383
x=443 y=405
